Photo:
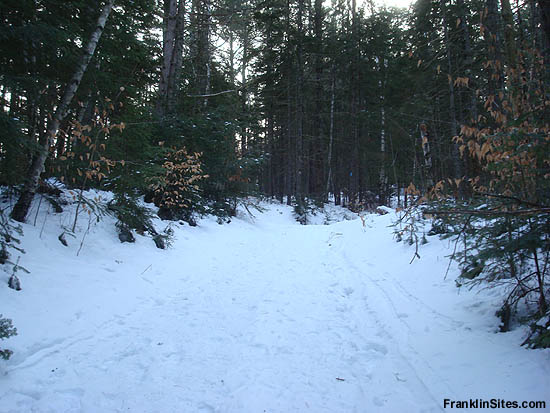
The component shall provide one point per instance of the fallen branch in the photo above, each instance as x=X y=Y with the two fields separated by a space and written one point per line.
x=512 y=198
x=492 y=212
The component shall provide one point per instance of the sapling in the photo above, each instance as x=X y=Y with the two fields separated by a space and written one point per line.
x=6 y=330
x=14 y=282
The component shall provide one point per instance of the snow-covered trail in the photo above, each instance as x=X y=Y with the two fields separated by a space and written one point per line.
x=257 y=316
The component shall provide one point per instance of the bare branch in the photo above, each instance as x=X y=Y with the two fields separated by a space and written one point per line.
x=491 y=212
x=212 y=94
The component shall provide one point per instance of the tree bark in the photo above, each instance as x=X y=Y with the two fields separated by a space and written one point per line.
x=200 y=50
x=168 y=37
x=244 y=64
x=457 y=162
x=493 y=39
x=544 y=6
x=469 y=59
x=300 y=107
x=317 y=173
x=427 y=154
x=509 y=33
x=382 y=64
x=177 y=60
x=172 y=56
x=331 y=131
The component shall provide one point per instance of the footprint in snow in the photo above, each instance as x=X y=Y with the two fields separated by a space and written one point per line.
x=376 y=347
x=378 y=401
x=75 y=392
x=205 y=407
x=348 y=291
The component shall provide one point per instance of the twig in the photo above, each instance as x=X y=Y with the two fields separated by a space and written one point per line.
x=38 y=209
x=415 y=255
x=248 y=210
x=491 y=212
x=44 y=224
x=512 y=198
x=84 y=236
x=211 y=94
x=85 y=180
x=462 y=231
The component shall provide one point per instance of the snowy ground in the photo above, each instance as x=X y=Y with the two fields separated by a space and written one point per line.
x=261 y=315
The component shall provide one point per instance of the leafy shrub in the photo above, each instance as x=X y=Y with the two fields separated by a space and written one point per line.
x=177 y=190
x=501 y=225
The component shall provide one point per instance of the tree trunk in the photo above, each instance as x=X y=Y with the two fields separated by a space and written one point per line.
x=544 y=6
x=232 y=50
x=331 y=131
x=23 y=204
x=317 y=174
x=168 y=37
x=493 y=39
x=177 y=60
x=469 y=59
x=382 y=64
x=383 y=177
x=172 y=55
x=300 y=107
x=509 y=33
x=200 y=49
x=427 y=154
x=244 y=65
x=457 y=161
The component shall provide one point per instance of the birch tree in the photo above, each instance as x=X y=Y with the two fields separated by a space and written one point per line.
x=24 y=202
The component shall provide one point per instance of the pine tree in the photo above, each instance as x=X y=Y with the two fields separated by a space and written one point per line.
x=6 y=330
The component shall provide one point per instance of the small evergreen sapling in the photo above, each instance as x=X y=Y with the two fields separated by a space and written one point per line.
x=6 y=330
x=14 y=282
x=7 y=242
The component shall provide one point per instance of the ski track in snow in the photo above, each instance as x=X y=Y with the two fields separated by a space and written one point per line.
x=257 y=316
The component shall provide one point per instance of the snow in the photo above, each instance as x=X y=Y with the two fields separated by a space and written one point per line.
x=259 y=315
